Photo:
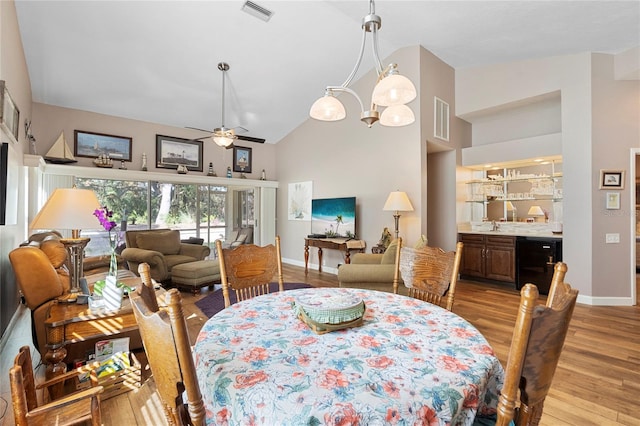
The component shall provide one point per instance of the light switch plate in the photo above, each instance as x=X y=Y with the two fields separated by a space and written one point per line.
x=612 y=238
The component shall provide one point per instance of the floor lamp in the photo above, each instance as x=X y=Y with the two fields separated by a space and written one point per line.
x=398 y=202
x=70 y=208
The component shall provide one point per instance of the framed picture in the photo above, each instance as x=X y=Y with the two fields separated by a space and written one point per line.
x=171 y=152
x=613 y=201
x=611 y=179
x=92 y=145
x=241 y=159
x=9 y=113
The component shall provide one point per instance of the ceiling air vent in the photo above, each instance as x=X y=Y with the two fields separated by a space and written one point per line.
x=256 y=10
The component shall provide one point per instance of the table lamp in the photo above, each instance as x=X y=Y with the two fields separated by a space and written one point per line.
x=398 y=202
x=70 y=208
x=537 y=213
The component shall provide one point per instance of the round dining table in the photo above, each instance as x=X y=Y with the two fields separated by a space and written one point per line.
x=408 y=363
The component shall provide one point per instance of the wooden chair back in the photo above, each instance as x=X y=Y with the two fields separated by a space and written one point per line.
x=396 y=271
x=430 y=272
x=538 y=337
x=248 y=269
x=77 y=408
x=166 y=343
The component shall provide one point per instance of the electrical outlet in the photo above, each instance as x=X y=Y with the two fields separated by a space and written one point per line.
x=612 y=238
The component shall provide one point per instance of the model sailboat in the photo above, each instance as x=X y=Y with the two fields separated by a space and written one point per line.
x=60 y=153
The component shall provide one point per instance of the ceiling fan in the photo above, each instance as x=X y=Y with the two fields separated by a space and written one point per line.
x=224 y=136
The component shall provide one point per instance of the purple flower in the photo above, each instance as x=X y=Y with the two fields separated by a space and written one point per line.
x=104 y=216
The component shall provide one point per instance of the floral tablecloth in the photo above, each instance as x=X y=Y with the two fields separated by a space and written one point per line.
x=410 y=363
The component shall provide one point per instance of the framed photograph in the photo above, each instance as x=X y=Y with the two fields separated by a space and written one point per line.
x=171 y=152
x=241 y=159
x=613 y=201
x=9 y=113
x=611 y=179
x=92 y=145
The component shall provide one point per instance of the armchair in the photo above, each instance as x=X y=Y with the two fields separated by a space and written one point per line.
x=374 y=271
x=162 y=250
x=40 y=267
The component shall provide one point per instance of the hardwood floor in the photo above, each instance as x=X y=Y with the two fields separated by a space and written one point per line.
x=597 y=381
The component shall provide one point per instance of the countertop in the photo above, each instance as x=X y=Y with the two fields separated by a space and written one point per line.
x=517 y=229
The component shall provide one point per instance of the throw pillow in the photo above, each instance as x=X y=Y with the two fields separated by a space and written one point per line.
x=422 y=242
x=166 y=242
x=389 y=256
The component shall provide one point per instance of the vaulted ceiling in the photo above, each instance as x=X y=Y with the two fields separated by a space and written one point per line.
x=157 y=60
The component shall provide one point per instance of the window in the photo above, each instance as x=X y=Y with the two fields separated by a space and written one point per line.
x=195 y=210
x=441 y=119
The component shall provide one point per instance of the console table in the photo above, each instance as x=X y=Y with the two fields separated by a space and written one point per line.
x=342 y=244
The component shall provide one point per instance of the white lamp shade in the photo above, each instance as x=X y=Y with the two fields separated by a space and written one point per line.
x=223 y=141
x=68 y=208
x=398 y=201
x=328 y=108
x=510 y=206
x=394 y=89
x=396 y=116
x=535 y=211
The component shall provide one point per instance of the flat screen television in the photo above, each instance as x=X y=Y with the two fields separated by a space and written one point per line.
x=334 y=217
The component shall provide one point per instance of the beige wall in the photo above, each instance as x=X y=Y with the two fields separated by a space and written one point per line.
x=49 y=121
x=346 y=158
x=13 y=71
x=591 y=140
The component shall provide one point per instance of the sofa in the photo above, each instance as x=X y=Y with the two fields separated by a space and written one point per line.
x=374 y=271
x=40 y=265
x=162 y=250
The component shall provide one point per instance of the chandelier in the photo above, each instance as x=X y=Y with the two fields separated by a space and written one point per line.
x=391 y=90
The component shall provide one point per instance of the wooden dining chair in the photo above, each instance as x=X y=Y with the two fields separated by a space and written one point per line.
x=166 y=343
x=538 y=337
x=75 y=408
x=248 y=269
x=430 y=272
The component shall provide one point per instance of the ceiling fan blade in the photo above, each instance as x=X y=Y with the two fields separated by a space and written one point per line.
x=198 y=129
x=250 y=139
x=240 y=129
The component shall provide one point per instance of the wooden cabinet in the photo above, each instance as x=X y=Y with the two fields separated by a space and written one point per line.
x=489 y=257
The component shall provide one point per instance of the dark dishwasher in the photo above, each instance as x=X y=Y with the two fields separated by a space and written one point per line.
x=535 y=259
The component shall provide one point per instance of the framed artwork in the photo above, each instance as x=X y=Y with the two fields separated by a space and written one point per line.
x=241 y=159
x=299 y=204
x=613 y=201
x=611 y=179
x=92 y=145
x=9 y=113
x=171 y=152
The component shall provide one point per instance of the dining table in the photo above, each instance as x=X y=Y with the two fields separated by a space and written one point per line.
x=408 y=362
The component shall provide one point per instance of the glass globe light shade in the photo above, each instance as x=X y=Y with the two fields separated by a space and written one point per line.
x=223 y=141
x=394 y=89
x=396 y=116
x=327 y=108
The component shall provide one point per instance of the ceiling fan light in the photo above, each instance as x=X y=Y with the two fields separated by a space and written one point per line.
x=396 y=116
x=222 y=140
x=395 y=89
x=327 y=108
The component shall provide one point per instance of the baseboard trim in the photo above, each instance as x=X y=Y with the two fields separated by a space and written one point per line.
x=7 y=332
x=605 y=301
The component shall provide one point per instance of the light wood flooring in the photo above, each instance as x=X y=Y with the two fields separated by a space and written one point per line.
x=597 y=381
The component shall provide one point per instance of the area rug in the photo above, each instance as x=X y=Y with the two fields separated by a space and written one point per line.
x=213 y=303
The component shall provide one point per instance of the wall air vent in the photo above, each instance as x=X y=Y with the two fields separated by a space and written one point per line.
x=440 y=119
x=256 y=10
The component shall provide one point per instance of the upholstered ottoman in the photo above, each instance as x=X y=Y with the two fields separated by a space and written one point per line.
x=195 y=275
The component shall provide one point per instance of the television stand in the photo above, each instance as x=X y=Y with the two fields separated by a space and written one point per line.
x=345 y=245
